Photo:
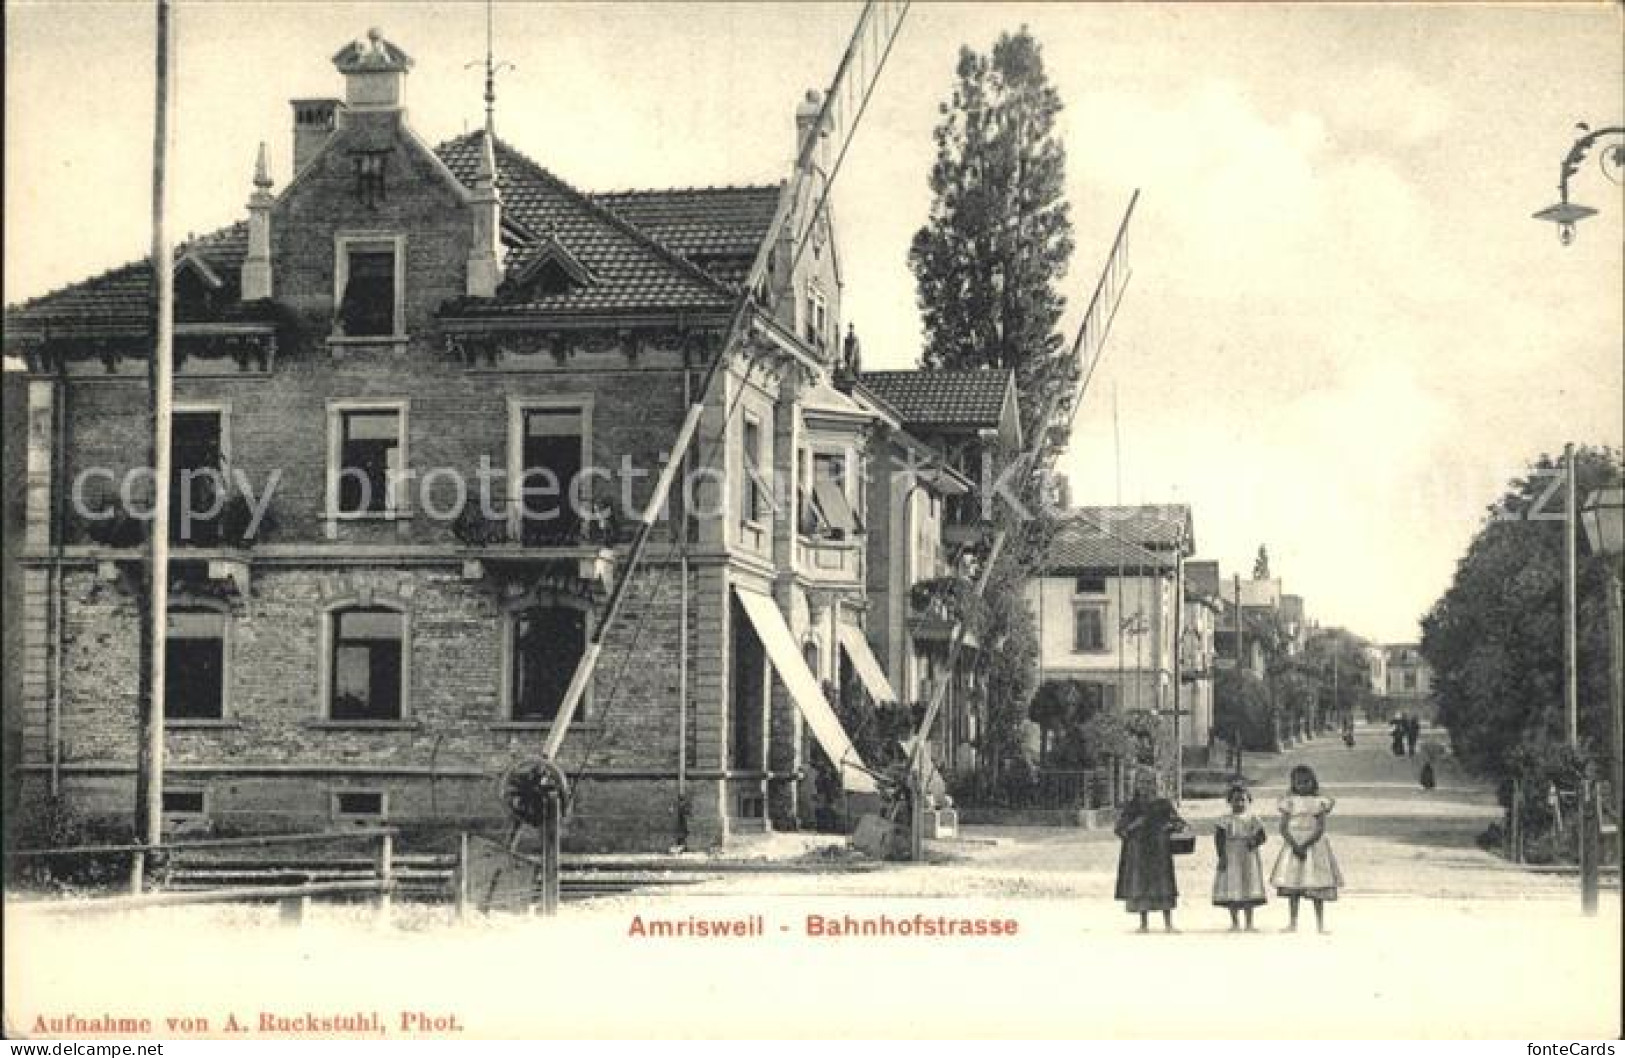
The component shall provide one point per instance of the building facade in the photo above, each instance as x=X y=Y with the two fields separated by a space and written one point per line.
x=1108 y=601
x=1408 y=686
x=421 y=394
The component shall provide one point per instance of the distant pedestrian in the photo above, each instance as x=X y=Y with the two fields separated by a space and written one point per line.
x=1427 y=778
x=1413 y=731
x=1397 y=736
x=1145 y=866
x=1238 y=883
x=1306 y=866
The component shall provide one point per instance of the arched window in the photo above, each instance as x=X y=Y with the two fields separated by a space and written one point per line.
x=195 y=664
x=367 y=664
x=546 y=643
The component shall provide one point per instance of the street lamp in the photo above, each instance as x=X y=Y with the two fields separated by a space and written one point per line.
x=1566 y=214
x=1604 y=519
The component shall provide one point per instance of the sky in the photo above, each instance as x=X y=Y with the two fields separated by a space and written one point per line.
x=1343 y=332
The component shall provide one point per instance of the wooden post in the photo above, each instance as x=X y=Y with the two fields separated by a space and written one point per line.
x=161 y=382
x=138 y=860
x=1590 y=839
x=291 y=910
x=460 y=882
x=1517 y=820
x=386 y=875
x=550 y=852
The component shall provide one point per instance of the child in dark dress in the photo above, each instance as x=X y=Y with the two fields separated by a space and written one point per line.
x=1145 y=866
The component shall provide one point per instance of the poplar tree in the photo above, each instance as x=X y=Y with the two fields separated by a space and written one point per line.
x=999 y=238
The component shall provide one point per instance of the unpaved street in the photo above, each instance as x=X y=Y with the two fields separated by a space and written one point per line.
x=1432 y=938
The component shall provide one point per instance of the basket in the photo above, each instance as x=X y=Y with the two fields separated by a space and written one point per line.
x=1182 y=842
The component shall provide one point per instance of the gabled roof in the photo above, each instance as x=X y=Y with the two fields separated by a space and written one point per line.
x=632 y=270
x=1098 y=539
x=714 y=234
x=973 y=397
x=1154 y=525
x=1080 y=546
x=717 y=228
x=121 y=300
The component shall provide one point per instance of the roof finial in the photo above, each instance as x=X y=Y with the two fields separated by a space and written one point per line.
x=492 y=67
x=262 y=168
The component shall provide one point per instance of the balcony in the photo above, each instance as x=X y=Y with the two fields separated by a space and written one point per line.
x=575 y=549
x=830 y=561
x=935 y=607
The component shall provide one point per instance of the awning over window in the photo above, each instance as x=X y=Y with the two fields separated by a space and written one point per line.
x=804 y=691
x=863 y=659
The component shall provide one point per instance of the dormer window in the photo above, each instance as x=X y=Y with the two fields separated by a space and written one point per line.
x=552 y=271
x=552 y=279
x=196 y=286
x=369 y=288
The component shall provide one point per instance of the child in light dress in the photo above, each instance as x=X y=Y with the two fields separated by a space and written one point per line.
x=1306 y=866
x=1238 y=883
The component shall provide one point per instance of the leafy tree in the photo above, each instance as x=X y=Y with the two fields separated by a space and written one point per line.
x=1495 y=638
x=1241 y=711
x=1261 y=564
x=1004 y=626
x=999 y=236
x=998 y=239
x=1338 y=659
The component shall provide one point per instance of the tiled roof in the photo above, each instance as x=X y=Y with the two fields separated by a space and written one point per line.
x=718 y=228
x=123 y=297
x=631 y=269
x=943 y=398
x=1079 y=545
x=1151 y=525
x=1202 y=577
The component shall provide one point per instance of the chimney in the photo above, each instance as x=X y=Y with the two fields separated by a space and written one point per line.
x=256 y=277
x=313 y=122
x=374 y=72
x=485 y=247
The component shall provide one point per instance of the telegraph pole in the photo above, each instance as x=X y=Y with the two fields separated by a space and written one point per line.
x=160 y=377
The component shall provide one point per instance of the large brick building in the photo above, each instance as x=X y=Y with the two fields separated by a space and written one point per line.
x=386 y=349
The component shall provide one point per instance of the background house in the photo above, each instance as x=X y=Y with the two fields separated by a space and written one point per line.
x=1409 y=682
x=1109 y=608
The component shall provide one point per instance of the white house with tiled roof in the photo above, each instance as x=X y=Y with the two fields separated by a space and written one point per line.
x=1113 y=618
x=419 y=394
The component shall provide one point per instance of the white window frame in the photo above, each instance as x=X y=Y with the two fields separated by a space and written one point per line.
x=324 y=660
x=1104 y=609
x=227 y=634
x=517 y=407
x=850 y=485
x=748 y=515
x=510 y=613
x=395 y=505
x=343 y=243
x=219 y=408
x=816 y=329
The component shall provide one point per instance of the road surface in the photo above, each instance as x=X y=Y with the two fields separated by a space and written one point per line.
x=1431 y=938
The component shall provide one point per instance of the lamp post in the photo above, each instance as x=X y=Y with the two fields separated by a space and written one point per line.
x=1603 y=516
x=1566 y=214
